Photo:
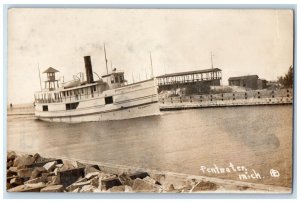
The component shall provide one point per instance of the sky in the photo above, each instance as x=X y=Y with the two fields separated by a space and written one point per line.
x=243 y=42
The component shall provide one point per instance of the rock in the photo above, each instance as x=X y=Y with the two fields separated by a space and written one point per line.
x=53 y=188
x=120 y=188
x=96 y=190
x=9 y=186
x=43 y=162
x=78 y=185
x=191 y=182
x=23 y=161
x=37 y=158
x=151 y=180
x=16 y=181
x=91 y=175
x=55 y=171
x=140 y=175
x=12 y=171
x=139 y=185
x=178 y=183
x=95 y=182
x=68 y=177
x=25 y=173
x=91 y=169
x=109 y=182
x=80 y=165
x=36 y=180
x=185 y=185
x=54 y=180
x=68 y=165
x=11 y=156
x=80 y=180
x=128 y=188
x=170 y=188
x=125 y=179
x=87 y=188
x=59 y=165
x=10 y=177
x=102 y=175
x=37 y=172
x=76 y=190
x=204 y=186
x=46 y=175
x=9 y=164
x=50 y=166
x=160 y=178
x=28 y=188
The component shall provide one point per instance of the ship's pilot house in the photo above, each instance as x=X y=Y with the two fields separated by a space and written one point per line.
x=51 y=83
x=114 y=79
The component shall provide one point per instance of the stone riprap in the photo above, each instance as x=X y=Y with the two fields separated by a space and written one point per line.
x=33 y=173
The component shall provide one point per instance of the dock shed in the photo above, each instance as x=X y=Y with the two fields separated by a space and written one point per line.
x=248 y=81
x=211 y=77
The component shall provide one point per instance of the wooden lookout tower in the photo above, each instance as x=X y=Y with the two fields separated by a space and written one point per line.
x=51 y=83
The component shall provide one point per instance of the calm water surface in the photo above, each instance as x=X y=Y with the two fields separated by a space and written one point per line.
x=258 y=138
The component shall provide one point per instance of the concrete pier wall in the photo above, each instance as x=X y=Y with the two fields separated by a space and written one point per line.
x=247 y=98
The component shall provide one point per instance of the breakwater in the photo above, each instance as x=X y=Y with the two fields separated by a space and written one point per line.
x=34 y=173
x=246 y=98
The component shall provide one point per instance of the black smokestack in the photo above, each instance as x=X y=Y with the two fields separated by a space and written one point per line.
x=88 y=69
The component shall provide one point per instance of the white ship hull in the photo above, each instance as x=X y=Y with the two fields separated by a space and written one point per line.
x=122 y=114
x=131 y=101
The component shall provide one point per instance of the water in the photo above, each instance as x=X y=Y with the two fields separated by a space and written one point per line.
x=257 y=137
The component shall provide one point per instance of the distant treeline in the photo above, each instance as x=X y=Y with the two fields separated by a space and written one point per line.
x=288 y=79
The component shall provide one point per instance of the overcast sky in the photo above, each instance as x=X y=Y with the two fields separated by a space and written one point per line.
x=243 y=42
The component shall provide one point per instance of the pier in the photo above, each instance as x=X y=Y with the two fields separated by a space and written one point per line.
x=247 y=98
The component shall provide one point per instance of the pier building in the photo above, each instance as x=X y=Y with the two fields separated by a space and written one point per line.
x=212 y=77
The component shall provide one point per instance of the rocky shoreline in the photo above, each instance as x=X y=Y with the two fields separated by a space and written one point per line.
x=34 y=173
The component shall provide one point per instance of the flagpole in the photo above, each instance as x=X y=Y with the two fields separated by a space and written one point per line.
x=40 y=76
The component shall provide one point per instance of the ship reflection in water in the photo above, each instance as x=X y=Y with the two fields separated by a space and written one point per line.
x=257 y=138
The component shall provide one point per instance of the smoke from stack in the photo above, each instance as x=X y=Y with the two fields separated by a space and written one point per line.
x=88 y=69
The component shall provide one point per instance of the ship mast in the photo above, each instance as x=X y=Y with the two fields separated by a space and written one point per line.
x=151 y=66
x=105 y=61
x=40 y=76
x=211 y=59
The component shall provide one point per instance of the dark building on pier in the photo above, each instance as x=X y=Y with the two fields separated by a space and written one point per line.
x=210 y=77
x=248 y=81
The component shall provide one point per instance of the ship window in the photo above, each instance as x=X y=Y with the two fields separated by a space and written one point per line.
x=71 y=106
x=112 y=80
x=109 y=100
x=82 y=91
x=45 y=107
x=117 y=79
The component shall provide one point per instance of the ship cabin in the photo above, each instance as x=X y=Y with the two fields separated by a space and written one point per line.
x=77 y=93
x=74 y=92
x=114 y=79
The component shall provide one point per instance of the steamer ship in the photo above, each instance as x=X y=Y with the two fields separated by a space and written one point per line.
x=108 y=98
